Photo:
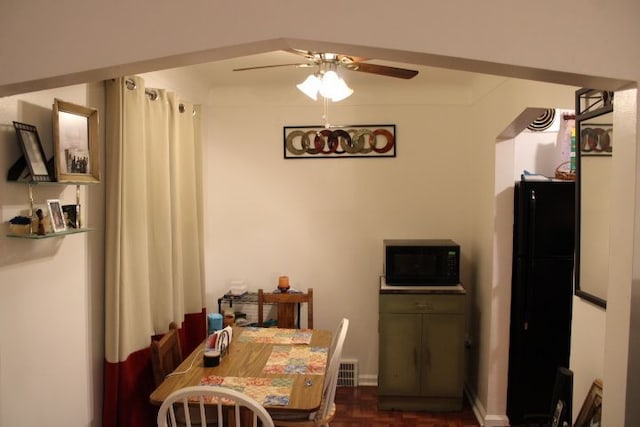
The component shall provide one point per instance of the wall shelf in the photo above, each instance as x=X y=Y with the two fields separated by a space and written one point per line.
x=49 y=235
x=33 y=236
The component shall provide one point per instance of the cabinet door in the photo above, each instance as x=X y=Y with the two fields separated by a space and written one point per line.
x=400 y=346
x=443 y=358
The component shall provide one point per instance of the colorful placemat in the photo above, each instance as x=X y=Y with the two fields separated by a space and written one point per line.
x=296 y=359
x=275 y=335
x=267 y=391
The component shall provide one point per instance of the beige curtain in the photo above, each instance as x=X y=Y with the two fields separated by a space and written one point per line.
x=154 y=271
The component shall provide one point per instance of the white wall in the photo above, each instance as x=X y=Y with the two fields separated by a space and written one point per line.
x=51 y=291
x=543 y=152
x=322 y=221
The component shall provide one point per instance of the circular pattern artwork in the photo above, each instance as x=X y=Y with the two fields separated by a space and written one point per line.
x=544 y=121
x=354 y=141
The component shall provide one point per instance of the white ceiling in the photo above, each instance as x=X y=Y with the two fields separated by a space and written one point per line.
x=220 y=73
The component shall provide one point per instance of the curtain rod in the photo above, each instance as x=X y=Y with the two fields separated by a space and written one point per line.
x=152 y=94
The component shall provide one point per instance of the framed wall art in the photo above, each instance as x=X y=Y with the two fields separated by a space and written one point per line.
x=32 y=150
x=317 y=142
x=590 y=414
x=75 y=142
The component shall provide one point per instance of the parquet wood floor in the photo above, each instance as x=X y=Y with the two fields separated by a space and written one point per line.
x=358 y=406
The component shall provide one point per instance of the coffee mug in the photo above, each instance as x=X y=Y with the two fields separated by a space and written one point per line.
x=211 y=358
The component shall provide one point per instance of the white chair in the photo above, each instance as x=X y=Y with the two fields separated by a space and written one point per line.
x=342 y=328
x=187 y=399
x=327 y=410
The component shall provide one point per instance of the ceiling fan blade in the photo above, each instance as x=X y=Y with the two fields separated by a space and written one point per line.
x=274 y=66
x=401 y=73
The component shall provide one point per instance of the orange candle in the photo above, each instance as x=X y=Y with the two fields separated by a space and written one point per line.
x=283 y=281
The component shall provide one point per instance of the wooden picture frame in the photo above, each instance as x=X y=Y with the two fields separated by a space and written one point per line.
x=32 y=151
x=591 y=412
x=75 y=142
x=56 y=215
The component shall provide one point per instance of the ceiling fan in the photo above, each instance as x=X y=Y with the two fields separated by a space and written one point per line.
x=352 y=63
x=327 y=82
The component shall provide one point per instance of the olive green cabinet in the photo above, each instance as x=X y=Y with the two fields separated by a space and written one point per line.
x=421 y=350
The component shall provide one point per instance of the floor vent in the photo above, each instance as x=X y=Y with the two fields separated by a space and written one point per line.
x=348 y=373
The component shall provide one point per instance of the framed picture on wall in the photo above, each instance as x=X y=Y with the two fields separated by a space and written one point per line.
x=75 y=142
x=32 y=150
x=318 y=142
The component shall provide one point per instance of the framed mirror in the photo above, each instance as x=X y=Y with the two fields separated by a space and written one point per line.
x=594 y=151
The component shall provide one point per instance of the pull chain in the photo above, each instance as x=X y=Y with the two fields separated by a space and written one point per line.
x=325 y=116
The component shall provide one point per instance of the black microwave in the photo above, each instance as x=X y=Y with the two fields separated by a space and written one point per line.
x=416 y=262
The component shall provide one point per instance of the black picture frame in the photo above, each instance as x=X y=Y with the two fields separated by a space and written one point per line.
x=32 y=151
x=71 y=215
x=319 y=142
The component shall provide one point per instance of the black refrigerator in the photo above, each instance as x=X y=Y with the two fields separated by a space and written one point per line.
x=541 y=293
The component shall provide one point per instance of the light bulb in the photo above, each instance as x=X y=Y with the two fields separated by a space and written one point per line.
x=342 y=91
x=329 y=82
x=310 y=86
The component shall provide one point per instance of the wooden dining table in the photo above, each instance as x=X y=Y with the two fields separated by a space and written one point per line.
x=246 y=358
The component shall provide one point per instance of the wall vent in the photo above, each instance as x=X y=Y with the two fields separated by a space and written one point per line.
x=348 y=373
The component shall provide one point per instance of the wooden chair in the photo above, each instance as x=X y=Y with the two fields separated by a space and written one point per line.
x=214 y=406
x=166 y=354
x=286 y=304
x=327 y=410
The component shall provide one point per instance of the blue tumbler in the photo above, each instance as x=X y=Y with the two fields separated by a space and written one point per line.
x=214 y=322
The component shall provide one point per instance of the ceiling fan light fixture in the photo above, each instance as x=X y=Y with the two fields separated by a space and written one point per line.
x=342 y=91
x=310 y=86
x=327 y=82
x=329 y=85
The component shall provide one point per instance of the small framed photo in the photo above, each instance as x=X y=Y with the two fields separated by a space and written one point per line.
x=75 y=142
x=71 y=214
x=56 y=215
x=591 y=412
x=32 y=151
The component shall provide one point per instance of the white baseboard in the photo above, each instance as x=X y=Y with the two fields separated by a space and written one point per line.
x=496 y=421
x=368 y=380
x=480 y=412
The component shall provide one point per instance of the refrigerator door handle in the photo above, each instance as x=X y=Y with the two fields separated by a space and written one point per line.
x=532 y=226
